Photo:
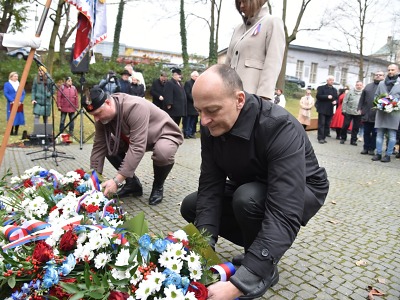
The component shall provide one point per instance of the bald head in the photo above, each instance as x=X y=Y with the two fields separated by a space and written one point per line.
x=218 y=97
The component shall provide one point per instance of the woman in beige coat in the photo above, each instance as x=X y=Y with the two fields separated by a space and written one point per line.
x=257 y=47
x=306 y=103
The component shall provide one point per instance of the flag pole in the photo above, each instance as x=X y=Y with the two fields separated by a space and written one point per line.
x=24 y=76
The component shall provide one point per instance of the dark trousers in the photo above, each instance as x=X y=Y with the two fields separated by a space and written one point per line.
x=189 y=125
x=242 y=212
x=177 y=120
x=324 y=121
x=62 y=121
x=369 y=136
x=354 y=130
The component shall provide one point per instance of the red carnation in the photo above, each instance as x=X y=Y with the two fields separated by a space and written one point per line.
x=28 y=183
x=58 y=292
x=68 y=241
x=92 y=208
x=43 y=252
x=117 y=295
x=199 y=290
x=110 y=209
x=80 y=172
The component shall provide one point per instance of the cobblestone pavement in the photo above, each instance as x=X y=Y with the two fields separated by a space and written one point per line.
x=360 y=220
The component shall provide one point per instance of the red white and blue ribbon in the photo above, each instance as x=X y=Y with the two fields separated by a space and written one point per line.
x=95 y=180
x=257 y=29
x=225 y=270
x=105 y=207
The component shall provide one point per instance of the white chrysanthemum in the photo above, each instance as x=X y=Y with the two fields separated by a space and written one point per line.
x=157 y=278
x=83 y=252
x=171 y=292
x=193 y=259
x=180 y=235
x=122 y=258
x=15 y=180
x=107 y=232
x=36 y=207
x=55 y=236
x=176 y=250
x=94 y=198
x=195 y=274
x=145 y=289
x=30 y=191
x=101 y=260
x=190 y=296
x=117 y=274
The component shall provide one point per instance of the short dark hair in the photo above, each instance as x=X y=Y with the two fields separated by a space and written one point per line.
x=229 y=76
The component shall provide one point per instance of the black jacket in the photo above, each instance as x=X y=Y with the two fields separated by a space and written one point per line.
x=174 y=95
x=366 y=102
x=191 y=111
x=137 y=90
x=157 y=90
x=323 y=104
x=266 y=144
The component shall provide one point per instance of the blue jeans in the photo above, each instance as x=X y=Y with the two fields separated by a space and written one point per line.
x=379 y=140
x=189 y=123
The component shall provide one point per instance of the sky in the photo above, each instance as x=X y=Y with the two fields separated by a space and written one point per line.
x=154 y=24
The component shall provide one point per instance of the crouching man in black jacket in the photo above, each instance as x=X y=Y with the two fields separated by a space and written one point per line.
x=260 y=180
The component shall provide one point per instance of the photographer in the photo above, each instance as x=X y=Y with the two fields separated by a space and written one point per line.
x=110 y=84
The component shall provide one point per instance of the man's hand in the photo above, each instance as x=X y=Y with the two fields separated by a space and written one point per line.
x=110 y=187
x=34 y=101
x=169 y=106
x=330 y=97
x=161 y=98
x=223 y=291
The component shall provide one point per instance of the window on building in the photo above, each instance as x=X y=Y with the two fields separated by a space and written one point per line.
x=299 y=69
x=343 y=76
x=331 y=71
x=313 y=72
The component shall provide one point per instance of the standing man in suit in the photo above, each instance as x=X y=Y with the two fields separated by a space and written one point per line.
x=326 y=98
x=157 y=89
x=175 y=97
x=189 y=122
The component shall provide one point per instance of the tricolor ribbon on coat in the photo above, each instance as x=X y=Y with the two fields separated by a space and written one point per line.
x=257 y=29
x=225 y=270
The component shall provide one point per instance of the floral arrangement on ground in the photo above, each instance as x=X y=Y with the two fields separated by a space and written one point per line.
x=386 y=103
x=63 y=239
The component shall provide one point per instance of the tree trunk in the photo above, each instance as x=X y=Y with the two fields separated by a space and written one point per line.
x=7 y=15
x=53 y=37
x=66 y=34
x=211 y=50
x=117 y=32
x=185 y=55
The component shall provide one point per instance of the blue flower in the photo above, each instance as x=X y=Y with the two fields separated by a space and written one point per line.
x=174 y=279
x=51 y=276
x=43 y=173
x=86 y=176
x=25 y=288
x=185 y=284
x=145 y=245
x=160 y=245
x=17 y=295
x=68 y=265
x=82 y=188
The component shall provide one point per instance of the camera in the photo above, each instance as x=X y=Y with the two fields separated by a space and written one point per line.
x=111 y=78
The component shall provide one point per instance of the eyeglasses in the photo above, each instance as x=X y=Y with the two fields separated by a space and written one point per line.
x=379 y=75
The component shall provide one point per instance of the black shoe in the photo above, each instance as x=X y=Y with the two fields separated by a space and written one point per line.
x=321 y=141
x=386 y=158
x=338 y=137
x=353 y=143
x=371 y=152
x=364 y=151
x=192 y=136
x=160 y=174
x=263 y=286
x=328 y=135
x=398 y=155
x=325 y=141
x=238 y=259
x=132 y=187
x=376 y=157
x=342 y=141
x=186 y=137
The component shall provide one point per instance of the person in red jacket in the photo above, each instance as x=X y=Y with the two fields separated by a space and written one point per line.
x=67 y=103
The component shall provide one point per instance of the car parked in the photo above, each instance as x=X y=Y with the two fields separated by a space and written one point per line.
x=21 y=53
x=300 y=83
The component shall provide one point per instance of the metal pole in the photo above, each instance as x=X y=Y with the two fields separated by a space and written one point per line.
x=24 y=76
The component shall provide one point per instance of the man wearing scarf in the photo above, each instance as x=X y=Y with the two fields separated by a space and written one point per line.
x=127 y=127
x=387 y=121
x=351 y=113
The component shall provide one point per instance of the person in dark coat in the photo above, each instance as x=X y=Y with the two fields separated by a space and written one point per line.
x=189 y=122
x=327 y=97
x=157 y=89
x=175 y=97
x=368 y=114
x=124 y=83
x=136 y=89
x=260 y=180
x=42 y=91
